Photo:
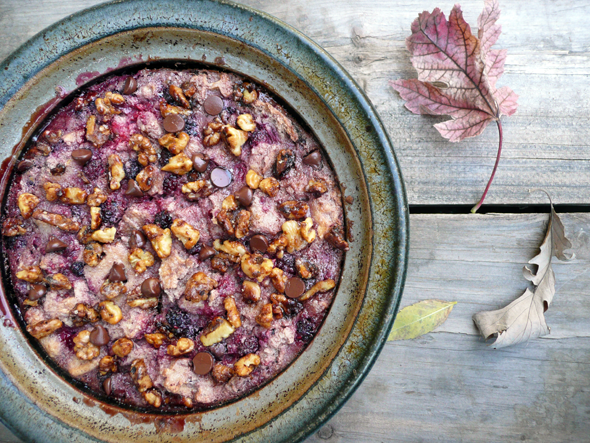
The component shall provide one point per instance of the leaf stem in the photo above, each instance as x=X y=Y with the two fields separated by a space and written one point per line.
x=485 y=192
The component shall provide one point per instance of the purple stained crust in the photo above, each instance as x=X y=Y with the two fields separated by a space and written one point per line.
x=253 y=138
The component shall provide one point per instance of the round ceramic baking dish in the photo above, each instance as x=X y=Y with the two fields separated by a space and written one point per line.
x=41 y=405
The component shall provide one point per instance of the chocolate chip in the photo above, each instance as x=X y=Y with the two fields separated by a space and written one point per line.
x=137 y=240
x=202 y=363
x=107 y=386
x=200 y=162
x=284 y=162
x=173 y=123
x=24 y=165
x=99 y=336
x=55 y=245
x=213 y=105
x=313 y=158
x=130 y=86
x=117 y=273
x=206 y=252
x=294 y=288
x=36 y=292
x=221 y=177
x=133 y=189
x=151 y=288
x=82 y=156
x=259 y=243
x=244 y=196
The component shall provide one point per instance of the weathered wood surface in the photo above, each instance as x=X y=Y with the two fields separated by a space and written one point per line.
x=546 y=141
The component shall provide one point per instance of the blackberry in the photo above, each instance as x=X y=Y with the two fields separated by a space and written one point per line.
x=305 y=330
x=293 y=308
x=77 y=268
x=163 y=219
x=165 y=156
x=183 y=324
x=287 y=263
x=132 y=168
x=94 y=169
x=171 y=184
x=192 y=128
x=112 y=213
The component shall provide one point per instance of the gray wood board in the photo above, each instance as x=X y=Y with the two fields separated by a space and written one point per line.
x=546 y=141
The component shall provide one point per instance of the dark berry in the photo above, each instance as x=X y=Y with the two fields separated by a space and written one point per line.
x=165 y=156
x=171 y=184
x=112 y=213
x=287 y=263
x=163 y=219
x=66 y=336
x=94 y=169
x=192 y=128
x=78 y=268
x=292 y=308
x=305 y=330
x=183 y=324
x=132 y=168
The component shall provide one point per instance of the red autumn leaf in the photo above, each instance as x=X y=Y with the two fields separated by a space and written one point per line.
x=457 y=74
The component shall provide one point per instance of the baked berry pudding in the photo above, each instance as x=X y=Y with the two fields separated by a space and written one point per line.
x=173 y=239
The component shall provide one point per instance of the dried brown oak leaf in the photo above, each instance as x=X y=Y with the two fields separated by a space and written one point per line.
x=457 y=75
x=524 y=318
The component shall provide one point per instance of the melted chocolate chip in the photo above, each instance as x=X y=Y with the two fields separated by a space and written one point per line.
x=82 y=156
x=99 y=336
x=221 y=177
x=213 y=105
x=203 y=363
x=173 y=123
x=294 y=288
x=24 y=165
x=259 y=243
x=108 y=386
x=244 y=196
x=206 y=253
x=314 y=158
x=133 y=189
x=151 y=288
x=130 y=86
x=55 y=245
x=117 y=273
x=137 y=240
x=200 y=162
x=36 y=292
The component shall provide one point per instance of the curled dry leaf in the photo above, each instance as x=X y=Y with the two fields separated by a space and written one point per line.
x=457 y=74
x=524 y=318
x=420 y=318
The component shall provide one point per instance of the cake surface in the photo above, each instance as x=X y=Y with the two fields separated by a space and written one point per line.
x=174 y=239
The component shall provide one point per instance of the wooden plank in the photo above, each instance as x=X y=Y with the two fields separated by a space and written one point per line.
x=546 y=142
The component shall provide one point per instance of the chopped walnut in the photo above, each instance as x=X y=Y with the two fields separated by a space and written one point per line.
x=292 y=232
x=122 y=347
x=104 y=106
x=242 y=223
x=84 y=235
x=284 y=163
x=44 y=328
x=305 y=269
x=321 y=286
x=31 y=274
x=178 y=95
x=116 y=172
x=179 y=164
x=136 y=299
x=52 y=137
x=83 y=348
x=221 y=373
x=174 y=143
x=145 y=178
x=74 y=196
x=197 y=189
x=264 y=318
x=229 y=203
x=249 y=94
x=153 y=398
x=83 y=314
x=112 y=289
x=27 y=203
x=222 y=262
x=63 y=223
x=95 y=218
x=306 y=230
x=246 y=122
x=316 y=187
x=59 y=282
x=294 y=210
x=97 y=198
x=107 y=364
x=278 y=245
x=235 y=139
x=270 y=186
x=53 y=191
x=279 y=279
x=143 y=146
x=184 y=232
x=217 y=330
x=256 y=266
x=280 y=305
x=250 y=291
x=212 y=134
x=198 y=287
x=104 y=235
x=161 y=239
x=41 y=148
x=156 y=340
x=98 y=136
x=182 y=346
x=233 y=315
x=234 y=248
x=167 y=109
x=224 y=220
x=92 y=253
x=335 y=236
x=110 y=312
x=140 y=260
x=245 y=365
x=140 y=375
x=12 y=227
x=253 y=179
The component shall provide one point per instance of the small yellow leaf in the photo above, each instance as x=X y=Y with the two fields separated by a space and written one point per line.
x=420 y=318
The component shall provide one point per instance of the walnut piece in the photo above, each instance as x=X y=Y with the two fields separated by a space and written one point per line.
x=294 y=210
x=97 y=198
x=316 y=187
x=305 y=269
x=167 y=109
x=104 y=106
x=83 y=314
x=143 y=146
x=27 y=203
x=182 y=346
x=110 y=312
x=217 y=330
x=233 y=315
x=156 y=339
x=242 y=223
x=95 y=218
x=145 y=178
x=140 y=260
x=197 y=189
x=321 y=286
x=44 y=328
x=221 y=373
x=122 y=347
x=92 y=253
x=53 y=191
x=264 y=317
x=250 y=291
x=270 y=186
x=279 y=279
x=178 y=95
x=246 y=122
x=174 y=143
x=112 y=289
x=292 y=232
x=198 y=287
x=253 y=179
x=233 y=248
x=235 y=139
x=224 y=220
x=74 y=196
x=161 y=239
x=335 y=236
x=59 y=282
x=106 y=235
x=11 y=227
x=136 y=299
x=245 y=365
x=179 y=164
x=140 y=375
x=98 y=136
x=63 y=223
x=31 y=274
x=107 y=364
x=83 y=348
x=184 y=232
x=116 y=172
x=306 y=230
x=229 y=203
x=212 y=133
x=256 y=266
x=153 y=397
